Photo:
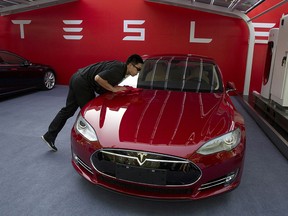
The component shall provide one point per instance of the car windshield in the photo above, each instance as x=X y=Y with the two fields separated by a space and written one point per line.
x=180 y=74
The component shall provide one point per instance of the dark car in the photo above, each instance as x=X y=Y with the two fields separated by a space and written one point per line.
x=177 y=135
x=18 y=74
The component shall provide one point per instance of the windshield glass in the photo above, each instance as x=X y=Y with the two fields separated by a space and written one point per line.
x=180 y=74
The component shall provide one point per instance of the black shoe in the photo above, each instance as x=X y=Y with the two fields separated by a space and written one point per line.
x=50 y=144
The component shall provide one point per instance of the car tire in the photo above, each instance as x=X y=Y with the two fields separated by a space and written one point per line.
x=49 y=80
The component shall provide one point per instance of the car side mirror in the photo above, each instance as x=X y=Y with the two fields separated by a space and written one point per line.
x=26 y=63
x=230 y=87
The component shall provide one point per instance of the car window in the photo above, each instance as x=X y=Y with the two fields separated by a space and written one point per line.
x=180 y=74
x=155 y=74
x=6 y=58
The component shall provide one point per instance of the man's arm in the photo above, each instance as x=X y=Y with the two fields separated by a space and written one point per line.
x=104 y=83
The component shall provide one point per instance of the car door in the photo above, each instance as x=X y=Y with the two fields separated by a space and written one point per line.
x=13 y=73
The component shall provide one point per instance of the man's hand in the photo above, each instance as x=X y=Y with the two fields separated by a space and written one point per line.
x=119 y=88
x=107 y=86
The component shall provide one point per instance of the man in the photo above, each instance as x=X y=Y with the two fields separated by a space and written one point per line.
x=100 y=78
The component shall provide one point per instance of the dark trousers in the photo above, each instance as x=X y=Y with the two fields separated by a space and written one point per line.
x=80 y=93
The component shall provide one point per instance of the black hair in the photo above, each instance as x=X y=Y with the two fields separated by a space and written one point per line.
x=135 y=59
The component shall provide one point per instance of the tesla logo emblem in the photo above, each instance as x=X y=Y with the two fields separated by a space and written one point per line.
x=141 y=158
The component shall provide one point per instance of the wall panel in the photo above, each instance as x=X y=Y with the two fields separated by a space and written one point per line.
x=157 y=29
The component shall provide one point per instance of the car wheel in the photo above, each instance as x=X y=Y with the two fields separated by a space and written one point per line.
x=49 y=80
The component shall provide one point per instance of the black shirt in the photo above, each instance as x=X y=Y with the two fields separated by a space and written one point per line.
x=112 y=71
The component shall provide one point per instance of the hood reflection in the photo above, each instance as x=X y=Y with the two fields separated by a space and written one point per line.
x=158 y=117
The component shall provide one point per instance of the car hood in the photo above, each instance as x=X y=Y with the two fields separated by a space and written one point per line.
x=158 y=120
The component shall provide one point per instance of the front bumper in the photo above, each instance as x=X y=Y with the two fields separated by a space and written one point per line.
x=219 y=173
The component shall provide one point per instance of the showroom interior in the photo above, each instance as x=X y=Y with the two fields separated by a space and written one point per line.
x=247 y=39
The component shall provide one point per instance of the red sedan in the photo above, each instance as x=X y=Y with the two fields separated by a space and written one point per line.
x=176 y=135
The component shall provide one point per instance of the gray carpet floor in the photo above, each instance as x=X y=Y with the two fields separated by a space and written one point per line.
x=36 y=181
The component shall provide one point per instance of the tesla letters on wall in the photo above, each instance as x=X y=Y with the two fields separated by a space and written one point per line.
x=126 y=28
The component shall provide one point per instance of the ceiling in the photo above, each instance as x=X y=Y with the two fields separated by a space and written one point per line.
x=234 y=8
x=8 y=7
x=243 y=6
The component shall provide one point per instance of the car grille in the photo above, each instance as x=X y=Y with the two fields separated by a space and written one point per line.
x=164 y=191
x=145 y=167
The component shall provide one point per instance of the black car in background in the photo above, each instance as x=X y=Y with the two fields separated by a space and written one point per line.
x=18 y=74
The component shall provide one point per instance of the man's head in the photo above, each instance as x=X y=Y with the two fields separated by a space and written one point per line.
x=134 y=64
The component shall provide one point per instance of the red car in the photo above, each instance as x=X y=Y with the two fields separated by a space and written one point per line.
x=176 y=135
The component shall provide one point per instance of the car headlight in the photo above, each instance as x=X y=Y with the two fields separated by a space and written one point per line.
x=84 y=128
x=223 y=143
